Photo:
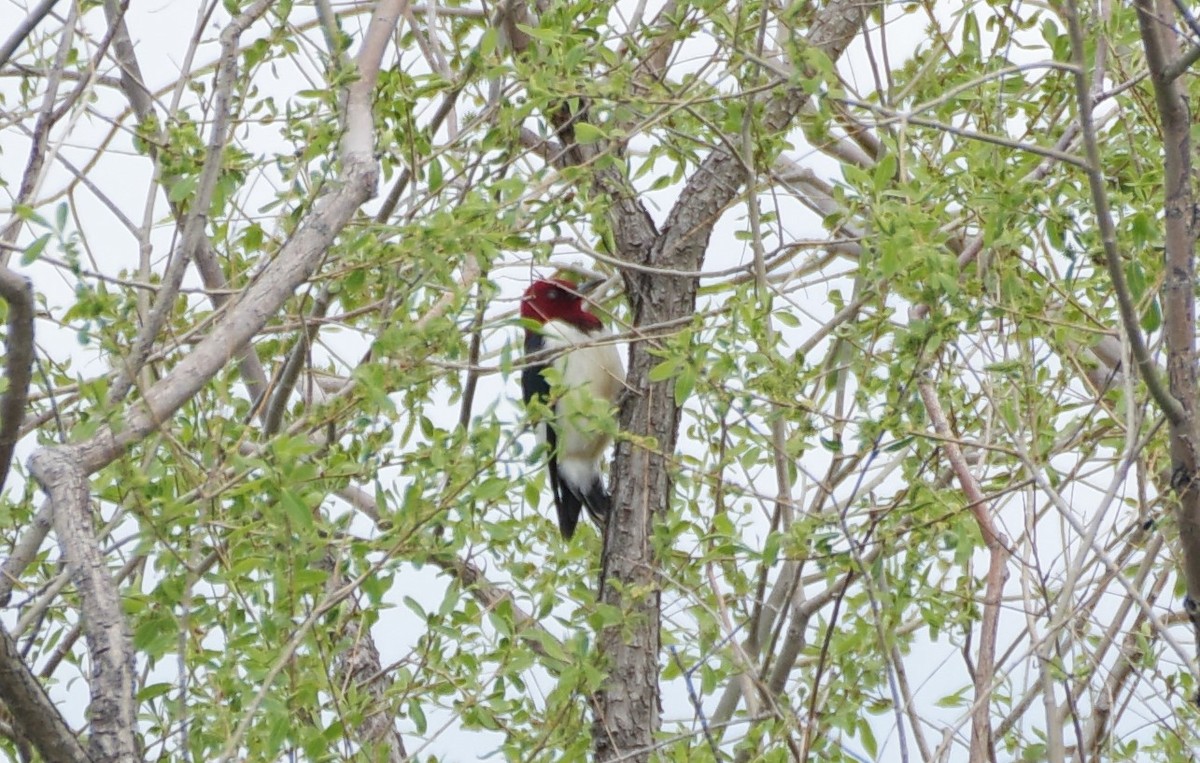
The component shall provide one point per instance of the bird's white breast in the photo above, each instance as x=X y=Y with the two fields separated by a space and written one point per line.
x=594 y=363
x=591 y=370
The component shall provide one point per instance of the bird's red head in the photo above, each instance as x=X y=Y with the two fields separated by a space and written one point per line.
x=557 y=299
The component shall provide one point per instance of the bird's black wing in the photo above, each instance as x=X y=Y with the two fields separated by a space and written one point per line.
x=566 y=502
x=535 y=387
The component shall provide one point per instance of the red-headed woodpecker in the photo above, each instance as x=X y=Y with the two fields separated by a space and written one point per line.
x=574 y=342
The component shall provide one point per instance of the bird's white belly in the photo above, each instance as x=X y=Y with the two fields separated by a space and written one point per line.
x=591 y=377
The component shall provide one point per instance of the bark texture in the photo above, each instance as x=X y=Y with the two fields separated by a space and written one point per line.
x=626 y=709
x=32 y=711
x=1178 y=289
x=112 y=713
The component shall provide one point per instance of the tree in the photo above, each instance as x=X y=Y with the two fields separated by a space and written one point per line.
x=884 y=483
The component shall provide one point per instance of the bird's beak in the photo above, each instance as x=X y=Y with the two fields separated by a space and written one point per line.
x=587 y=287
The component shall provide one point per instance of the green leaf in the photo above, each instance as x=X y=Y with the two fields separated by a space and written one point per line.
x=183 y=188
x=787 y=319
x=492 y=489
x=417 y=715
x=885 y=172
x=868 y=738
x=489 y=41
x=538 y=33
x=533 y=493
x=435 y=175
x=664 y=370
x=299 y=513
x=147 y=693
x=586 y=133
x=34 y=250
x=685 y=382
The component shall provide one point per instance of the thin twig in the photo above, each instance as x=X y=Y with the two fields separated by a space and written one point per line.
x=697 y=705
x=982 y=740
x=35 y=167
x=472 y=375
x=283 y=386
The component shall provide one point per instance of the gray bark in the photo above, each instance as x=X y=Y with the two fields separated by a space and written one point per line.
x=627 y=713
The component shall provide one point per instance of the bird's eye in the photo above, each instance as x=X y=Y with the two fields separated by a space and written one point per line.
x=554 y=293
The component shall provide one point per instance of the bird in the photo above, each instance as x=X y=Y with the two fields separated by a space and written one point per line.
x=563 y=334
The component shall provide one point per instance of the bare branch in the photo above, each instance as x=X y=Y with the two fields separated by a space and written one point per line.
x=113 y=685
x=982 y=740
x=282 y=389
x=24 y=551
x=197 y=218
x=894 y=116
x=1180 y=65
x=24 y=28
x=18 y=363
x=31 y=708
x=1178 y=295
x=132 y=82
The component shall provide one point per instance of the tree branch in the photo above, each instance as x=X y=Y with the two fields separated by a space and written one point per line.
x=141 y=102
x=194 y=234
x=982 y=741
x=140 y=98
x=1178 y=296
x=33 y=713
x=1180 y=65
x=276 y=406
x=112 y=713
x=18 y=363
x=24 y=28
x=1171 y=406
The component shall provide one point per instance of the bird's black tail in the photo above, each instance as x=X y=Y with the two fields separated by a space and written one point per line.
x=570 y=499
x=598 y=503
